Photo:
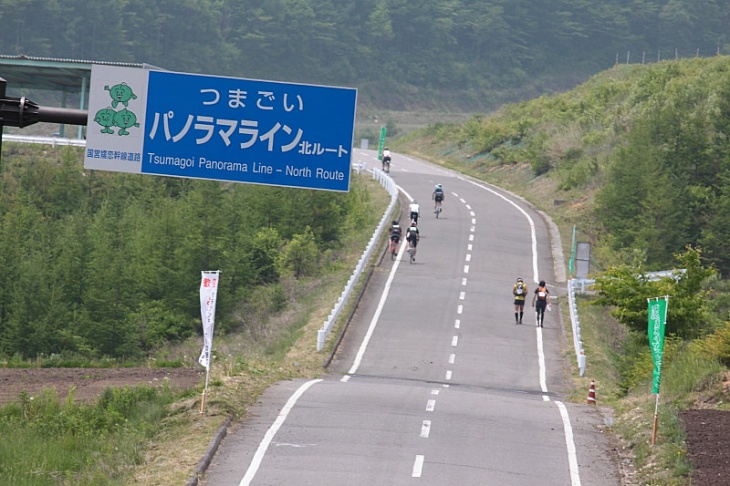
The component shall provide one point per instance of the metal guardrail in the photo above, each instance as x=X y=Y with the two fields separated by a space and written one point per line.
x=583 y=285
x=392 y=189
x=575 y=321
x=45 y=140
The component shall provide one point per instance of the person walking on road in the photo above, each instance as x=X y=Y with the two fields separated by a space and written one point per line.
x=519 y=291
x=540 y=301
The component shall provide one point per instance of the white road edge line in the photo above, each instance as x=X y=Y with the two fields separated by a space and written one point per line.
x=264 y=445
x=572 y=456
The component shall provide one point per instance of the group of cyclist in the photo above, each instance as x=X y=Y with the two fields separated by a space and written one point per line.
x=412 y=234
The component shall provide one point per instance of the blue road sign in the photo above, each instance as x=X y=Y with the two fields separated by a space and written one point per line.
x=228 y=129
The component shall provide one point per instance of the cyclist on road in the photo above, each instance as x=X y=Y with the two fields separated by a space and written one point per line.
x=437 y=196
x=395 y=234
x=412 y=237
x=386 y=159
x=519 y=290
x=414 y=209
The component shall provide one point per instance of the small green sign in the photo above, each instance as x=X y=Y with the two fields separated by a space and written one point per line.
x=657 y=323
x=382 y=143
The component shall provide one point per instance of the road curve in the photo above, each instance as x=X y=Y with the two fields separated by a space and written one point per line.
x=434 y=384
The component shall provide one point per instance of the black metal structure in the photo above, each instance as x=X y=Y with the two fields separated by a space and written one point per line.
x=63 y=75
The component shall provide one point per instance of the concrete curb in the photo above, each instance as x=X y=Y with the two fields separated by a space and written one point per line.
x=209 y=453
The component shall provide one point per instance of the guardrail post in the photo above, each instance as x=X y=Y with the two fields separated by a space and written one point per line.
x=321 y=335
x=582 y=363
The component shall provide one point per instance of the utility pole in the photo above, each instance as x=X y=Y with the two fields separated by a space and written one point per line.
x=22 y=112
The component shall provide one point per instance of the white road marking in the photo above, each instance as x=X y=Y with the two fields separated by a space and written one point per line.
x=469 y=247
x=417 y=467
x=269 y=436
x=541 y=361
x=425 y=429
x=466 y=268
x=468 y=257
x=430 y=405
x=572 y=456
x=448 y=375
x=459 y=309
x=471 y=237
x=435 y=392
x=457 y=324
x=463 y=281
x=462 y=295
x=295 y=446
x=452 y=358
x=455 y=341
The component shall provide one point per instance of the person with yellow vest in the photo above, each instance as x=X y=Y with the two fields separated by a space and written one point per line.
x=519 y=291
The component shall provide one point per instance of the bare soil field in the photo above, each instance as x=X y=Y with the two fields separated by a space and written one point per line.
x=708 y=446
x=89 y=383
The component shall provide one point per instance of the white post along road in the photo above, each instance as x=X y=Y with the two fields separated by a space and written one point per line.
x=435 y=384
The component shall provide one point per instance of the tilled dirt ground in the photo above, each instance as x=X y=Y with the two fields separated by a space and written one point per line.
x=708 y=446
x=89 y=383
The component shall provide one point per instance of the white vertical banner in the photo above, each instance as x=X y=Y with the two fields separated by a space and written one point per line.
x=208 y=294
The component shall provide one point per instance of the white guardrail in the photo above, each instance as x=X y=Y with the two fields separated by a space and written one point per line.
x=582 y=284
x=76 y=142
x=392 y=189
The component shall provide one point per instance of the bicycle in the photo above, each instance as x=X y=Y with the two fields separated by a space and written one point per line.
x=394 y=248
x=438 y=209
x=411 y=252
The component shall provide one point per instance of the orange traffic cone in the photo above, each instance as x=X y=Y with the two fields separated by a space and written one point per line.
x=592 y=393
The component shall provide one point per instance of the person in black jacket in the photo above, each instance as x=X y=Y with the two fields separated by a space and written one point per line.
x=540 y=302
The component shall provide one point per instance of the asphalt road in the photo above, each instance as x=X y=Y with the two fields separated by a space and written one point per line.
x=434 y=383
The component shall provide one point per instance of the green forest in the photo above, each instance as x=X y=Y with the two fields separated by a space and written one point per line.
x=466 y=55
x=108 y=265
